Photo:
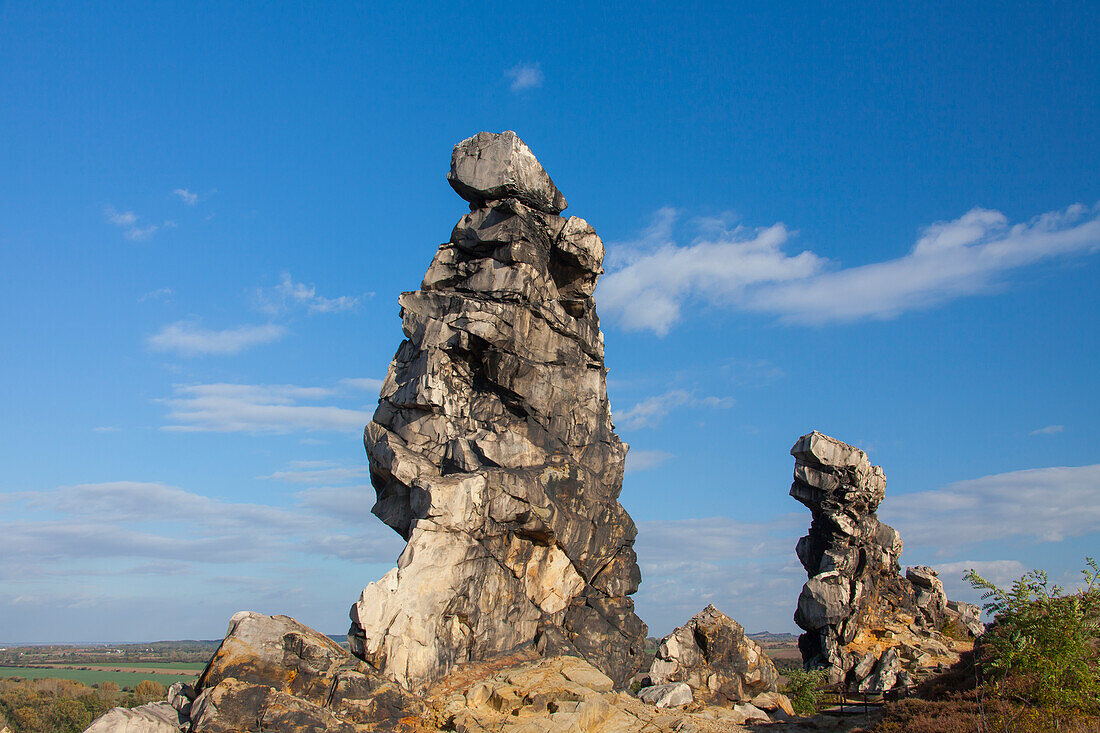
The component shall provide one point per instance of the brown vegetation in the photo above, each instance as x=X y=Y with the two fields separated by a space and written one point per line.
x=63 y=706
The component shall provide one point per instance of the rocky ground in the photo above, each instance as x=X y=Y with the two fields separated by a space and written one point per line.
x=272 y=673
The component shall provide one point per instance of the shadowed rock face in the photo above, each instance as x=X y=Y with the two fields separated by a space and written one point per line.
x=492 y=450
x=864 y=622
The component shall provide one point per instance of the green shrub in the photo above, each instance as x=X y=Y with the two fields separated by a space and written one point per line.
x=1041 y=646
x=804 y=690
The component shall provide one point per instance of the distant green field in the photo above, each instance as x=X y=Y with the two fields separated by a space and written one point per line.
x=92 y=676
x=197 y=666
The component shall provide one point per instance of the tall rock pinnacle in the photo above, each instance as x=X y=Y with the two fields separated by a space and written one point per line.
x=871 y=628
x=492 y=450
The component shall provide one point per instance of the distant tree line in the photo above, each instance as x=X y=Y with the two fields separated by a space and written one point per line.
x=63 y=706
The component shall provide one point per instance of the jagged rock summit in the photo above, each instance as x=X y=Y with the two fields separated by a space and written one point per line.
x=492 y=450
x=869 y=626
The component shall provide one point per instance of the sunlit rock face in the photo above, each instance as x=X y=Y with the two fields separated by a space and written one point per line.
x=712 y=655
x=866 y=624
x=492 y=450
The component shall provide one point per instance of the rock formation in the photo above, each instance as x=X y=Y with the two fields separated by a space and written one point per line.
x=272 y=673
x=866 y=624
x=492 y=450
x=714 y=657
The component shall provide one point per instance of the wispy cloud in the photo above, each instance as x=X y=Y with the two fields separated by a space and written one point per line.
x=113 y=520
x=525 y=76
x=127 y=222
x=747 y=569
x=289 y=294
x=1040 y=504
x=261 y=408
x=366 y=384
x=652 y=278
x=158 y=294
x=1048 y=430
x=186 y=196
x=187 y=338
x=643 y=460
x=106 y=429
x=120 y=218
x=319 y=475
x=649 y=412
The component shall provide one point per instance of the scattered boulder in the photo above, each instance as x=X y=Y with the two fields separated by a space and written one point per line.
x=712 y=655
x=771 y=701
x=154 y=717
x=671 y=695
x=492 y=451
x=749 y=712
x=867 y=625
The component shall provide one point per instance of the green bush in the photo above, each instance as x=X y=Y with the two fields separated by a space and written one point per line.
x=804 y=690
x=1041 y=647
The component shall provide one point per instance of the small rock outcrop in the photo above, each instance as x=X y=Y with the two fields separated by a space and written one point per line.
x=154 y=717
x=712 y=655
x=271 y=673
x=866 y=624
x=492 y=450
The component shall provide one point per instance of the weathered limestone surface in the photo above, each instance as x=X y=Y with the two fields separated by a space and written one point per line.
x=566 y=695
x=865 y=623
x=492 y=450
x=714 y=657
x=154 y=717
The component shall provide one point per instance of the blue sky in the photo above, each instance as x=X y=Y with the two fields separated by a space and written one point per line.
x=880 y=223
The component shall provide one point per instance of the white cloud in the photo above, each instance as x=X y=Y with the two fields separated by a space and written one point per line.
x=158 y=523
x=137 y=234
x=525 y=76
x=747 y=569
x=652 y=278
x=366 y=384
x=106 y=429
x=289 y=294
x=337 y=474
x=127 y=221
x=257 y=409
x=1000 y=572
x=650 y=411
x=186 y=196
x=1041 y=504
x=643 y=460
x=120 y=218
x=158 y=294
x=657 y=277
x=189 y=339
x=1048 y=430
